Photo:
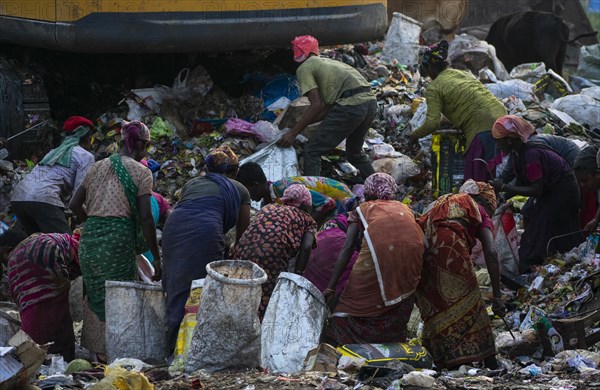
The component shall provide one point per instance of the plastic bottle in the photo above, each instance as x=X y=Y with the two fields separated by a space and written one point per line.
x=556 y=340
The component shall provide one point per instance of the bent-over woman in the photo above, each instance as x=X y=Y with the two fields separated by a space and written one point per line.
x=40 y=270
x=278 y=234
x=376 y=303
x=457 y=328
x=551 y=218
x=194 y=234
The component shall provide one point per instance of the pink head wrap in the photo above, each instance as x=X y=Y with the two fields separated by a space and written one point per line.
x=380 y=186
x=303 y=46
x=296 y=195
x=512 y=126
x=134 y=133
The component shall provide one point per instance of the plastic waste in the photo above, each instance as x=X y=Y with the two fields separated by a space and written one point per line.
x=384 y=151
x=469 y=53
x=418 y=379
x=380 y=355
x=419 y=117
x=532 y=370
x=292 y=323
x=9 y=322
x=120 y=378
x=584 y=108
x=589 y=62
x=228 y=330
x=531 y=72
x=518 y=88
x=322 y=358
x=57 y=365
x=402 y=39
x=523 y=343
x=135 y=321
x=78 y=365
x=531 y=318
x=400 y=168
x=186 y=329
x=130 y=364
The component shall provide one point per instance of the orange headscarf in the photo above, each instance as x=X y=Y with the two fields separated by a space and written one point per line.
x=512 y=126
x=486 y=191
x=303 y=46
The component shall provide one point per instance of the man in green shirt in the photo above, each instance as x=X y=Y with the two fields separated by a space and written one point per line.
x=468 y=104
x=341 y=98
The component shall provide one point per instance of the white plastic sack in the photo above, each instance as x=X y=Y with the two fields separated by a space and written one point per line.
x=518 y=88
x=506 y=241
x=402 y=39
x=227 y=332
x=589 y=62
x=292 y=324
x=276 y=162
x=135 y=321
x=531 y=72
x=583 y=108
x=400 y=168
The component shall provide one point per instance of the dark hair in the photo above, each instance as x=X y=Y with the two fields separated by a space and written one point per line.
x=586 y=161
x=250 y=173
x=87 y=136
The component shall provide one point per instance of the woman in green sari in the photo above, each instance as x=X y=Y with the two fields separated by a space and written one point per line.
x=116 y=192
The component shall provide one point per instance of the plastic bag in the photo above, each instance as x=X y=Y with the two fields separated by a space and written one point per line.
x=379 y=355
x=518 y=88
x=531 y=72
x=276 y=162
x=418 y=379
x=384 y=151
x=186 y=329
x=583 y=108
x=402 y=40
x=292 y=324
x=121 y=379
x=266 y=131
x=135 y=321
x=506 y=241
x=400 y=168
x=589 y=62
x=228 y=330
x=419 y=117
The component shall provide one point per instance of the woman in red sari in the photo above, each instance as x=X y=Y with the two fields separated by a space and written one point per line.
x=457 y=328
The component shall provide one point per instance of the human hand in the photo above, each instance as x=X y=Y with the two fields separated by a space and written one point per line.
x=498 y=307
x=157 y=271
x=287 y=140
x=591 y=226
x=329 y=295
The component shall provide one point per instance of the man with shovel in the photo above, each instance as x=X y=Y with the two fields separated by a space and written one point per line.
x=38 y=201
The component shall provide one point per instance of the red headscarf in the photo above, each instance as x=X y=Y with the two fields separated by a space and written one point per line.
x=303 y=46
x=76 y=121
x=514 y=127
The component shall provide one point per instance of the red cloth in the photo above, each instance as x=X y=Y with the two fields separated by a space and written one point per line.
x=303 y=46
x=76 y=121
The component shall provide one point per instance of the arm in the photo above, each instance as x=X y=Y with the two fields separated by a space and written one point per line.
x=76 y=204
x=507 y=174
x=315 y=111
x=149 y=230
x=593 y=224
x=491 y=261
x=165 y=215
x=243 y=221
x=306 y=245
x=536 y=189
x=345 y=256
x=433 y=118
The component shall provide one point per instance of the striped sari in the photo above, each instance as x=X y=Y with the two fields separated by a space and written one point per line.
x=457 y=329
x=40 y=270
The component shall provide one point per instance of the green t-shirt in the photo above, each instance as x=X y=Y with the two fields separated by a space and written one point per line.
x=332 y=78
x=464 y=100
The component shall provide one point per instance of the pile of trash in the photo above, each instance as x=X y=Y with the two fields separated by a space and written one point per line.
x=194 y=115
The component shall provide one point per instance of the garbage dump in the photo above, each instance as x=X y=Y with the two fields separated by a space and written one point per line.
x=547 y=339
